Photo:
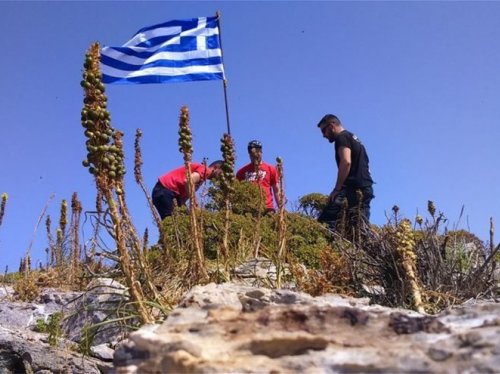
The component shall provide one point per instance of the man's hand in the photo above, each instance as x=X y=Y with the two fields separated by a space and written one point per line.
x=333 y=195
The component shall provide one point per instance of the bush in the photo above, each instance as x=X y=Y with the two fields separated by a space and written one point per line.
x=306 y=238
x=26 y=288
x=312 y=204
x=246 y=198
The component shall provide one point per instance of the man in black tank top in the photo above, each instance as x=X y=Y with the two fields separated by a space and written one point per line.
x=353 y=174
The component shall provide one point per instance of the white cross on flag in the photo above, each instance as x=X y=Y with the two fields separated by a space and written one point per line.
x=174 y=51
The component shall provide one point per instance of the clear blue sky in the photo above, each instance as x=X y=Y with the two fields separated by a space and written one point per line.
x=418 y=82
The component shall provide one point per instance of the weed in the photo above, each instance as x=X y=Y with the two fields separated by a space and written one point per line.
x=54 y=328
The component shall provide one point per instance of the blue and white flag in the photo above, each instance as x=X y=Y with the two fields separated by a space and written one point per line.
x=174 y=51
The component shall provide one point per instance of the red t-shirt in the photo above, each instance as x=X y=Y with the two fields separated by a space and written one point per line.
x=175 y=180
x=266 y=178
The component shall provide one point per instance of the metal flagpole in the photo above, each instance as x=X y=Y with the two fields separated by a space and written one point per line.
x=225 y=80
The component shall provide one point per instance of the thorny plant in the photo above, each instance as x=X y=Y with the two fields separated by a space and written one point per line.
x=398 y=265
x=421 y=269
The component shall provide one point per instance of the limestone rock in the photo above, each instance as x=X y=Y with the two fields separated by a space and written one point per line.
x=231 y=328
x=23 y=352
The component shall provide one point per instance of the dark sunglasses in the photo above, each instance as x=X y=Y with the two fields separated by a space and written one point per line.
x=325 y=128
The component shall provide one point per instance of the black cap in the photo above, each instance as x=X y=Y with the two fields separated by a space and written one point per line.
x=254 y=144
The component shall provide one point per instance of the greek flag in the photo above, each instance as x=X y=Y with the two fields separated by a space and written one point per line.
x=174 y=51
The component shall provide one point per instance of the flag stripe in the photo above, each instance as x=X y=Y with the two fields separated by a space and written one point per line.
x=166 y=52
x=164 y=71
x=164 y=79
x=121 y=65
x=180 y=50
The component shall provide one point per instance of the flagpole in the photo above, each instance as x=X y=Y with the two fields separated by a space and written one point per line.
x=225 y=80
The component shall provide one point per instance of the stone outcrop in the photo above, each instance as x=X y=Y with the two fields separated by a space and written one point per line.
x=27 y=352
x=238 y=328
x=232 y=328
x=23 y=350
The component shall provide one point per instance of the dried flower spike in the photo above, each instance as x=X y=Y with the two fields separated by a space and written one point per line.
x=185 y=136
x=228 y=155
x=431 y=208
x=2 y=206
x=105 y=155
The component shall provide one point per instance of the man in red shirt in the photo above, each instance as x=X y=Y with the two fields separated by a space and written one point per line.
x=173 y=185
x=266 y=177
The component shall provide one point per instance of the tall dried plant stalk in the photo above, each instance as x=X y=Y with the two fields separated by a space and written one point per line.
x=177 y=233
x=145 y=241
x=59 y=250
x=256 y=160
x=63 y=218
x=186 y=148
x=136 y=246
x=75 y=255
x=3 y=204
x=40 y=217
x=406 y=248
x=60 y=238
x=99 y=212
x=431 y=208
x=105 y=162
x=140 y=181
x=492 y=235
x=227 y=187
x=51 y=260
x=281 y=225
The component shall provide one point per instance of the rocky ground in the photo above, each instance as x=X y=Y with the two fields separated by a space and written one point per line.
x=231 y=328
x=23 y=350
x=235 y=328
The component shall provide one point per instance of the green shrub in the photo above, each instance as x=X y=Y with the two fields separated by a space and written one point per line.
x=245 y=199
x=306 y=238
